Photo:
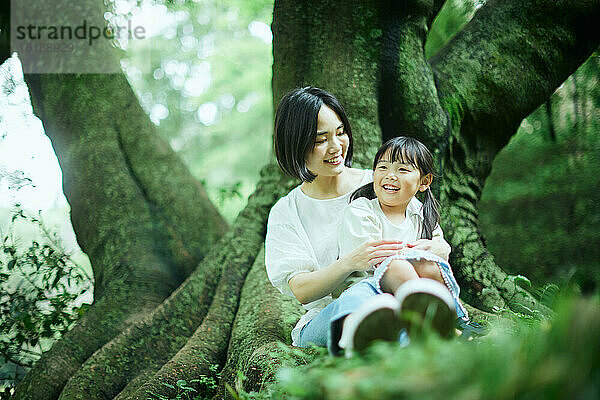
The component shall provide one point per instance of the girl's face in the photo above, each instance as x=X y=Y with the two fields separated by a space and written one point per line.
x=395 y=183
x=331 y=144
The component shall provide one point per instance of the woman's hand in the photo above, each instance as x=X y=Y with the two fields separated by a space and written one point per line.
x=310 y=286
x=370 y=254
x=437 y=246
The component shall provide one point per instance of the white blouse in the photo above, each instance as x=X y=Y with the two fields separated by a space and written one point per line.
x=302 y=237
x=364 y=221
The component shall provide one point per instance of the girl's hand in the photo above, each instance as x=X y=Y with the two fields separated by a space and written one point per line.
x=437 y=246
x=370 y=254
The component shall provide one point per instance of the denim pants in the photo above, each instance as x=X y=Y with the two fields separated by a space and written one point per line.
x=325 y=328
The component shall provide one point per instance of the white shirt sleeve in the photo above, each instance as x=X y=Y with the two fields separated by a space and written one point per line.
x=286 y=254
x=358 y=225
x=437 y=232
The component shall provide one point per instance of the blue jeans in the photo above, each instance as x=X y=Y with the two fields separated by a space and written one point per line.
x=326 y=327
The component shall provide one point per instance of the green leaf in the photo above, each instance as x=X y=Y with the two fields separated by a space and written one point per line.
x=522 y=279
x=158 y=396
x=27 y=322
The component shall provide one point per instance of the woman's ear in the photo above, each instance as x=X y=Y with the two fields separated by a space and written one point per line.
x=425 y=182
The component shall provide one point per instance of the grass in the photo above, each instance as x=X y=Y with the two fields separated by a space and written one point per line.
x=519 y=358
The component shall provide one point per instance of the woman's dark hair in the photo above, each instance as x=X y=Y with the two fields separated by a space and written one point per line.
x=296 y=129
x=408 y=150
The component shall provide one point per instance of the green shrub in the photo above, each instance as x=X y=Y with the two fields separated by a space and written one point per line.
x=40 y=298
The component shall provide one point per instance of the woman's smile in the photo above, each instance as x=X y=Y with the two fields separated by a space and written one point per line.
x=335 y=160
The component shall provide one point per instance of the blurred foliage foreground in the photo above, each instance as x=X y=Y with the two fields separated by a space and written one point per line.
x=520 y=358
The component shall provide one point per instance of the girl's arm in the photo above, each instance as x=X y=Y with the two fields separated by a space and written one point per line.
x=311 y=286
x=360 y=247
x=437 y=246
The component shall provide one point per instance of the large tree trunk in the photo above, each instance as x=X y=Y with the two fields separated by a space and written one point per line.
x=138 y=214
x=146 y=223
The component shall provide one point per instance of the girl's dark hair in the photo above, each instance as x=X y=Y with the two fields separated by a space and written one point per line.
x=296 y=129
x=408 y=150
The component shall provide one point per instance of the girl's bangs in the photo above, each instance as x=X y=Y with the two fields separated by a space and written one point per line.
x=402 y=151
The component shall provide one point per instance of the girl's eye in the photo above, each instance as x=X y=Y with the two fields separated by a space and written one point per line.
x=320 y=141
x=341 y=133
x=381 y=167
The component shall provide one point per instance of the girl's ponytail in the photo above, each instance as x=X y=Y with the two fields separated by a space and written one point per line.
x=363 y=191
x=431 y=215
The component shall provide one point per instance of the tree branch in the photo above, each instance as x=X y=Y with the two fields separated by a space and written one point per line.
x=408 y=101
x=509 y=59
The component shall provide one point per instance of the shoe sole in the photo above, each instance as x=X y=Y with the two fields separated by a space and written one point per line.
x=382 y=324
x=426 y=305
x=423 y=312
x=375 y=320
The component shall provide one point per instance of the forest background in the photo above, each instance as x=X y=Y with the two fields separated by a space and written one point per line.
x=209 y=93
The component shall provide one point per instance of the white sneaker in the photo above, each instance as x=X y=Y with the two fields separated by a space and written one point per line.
x=377 y=319
x=425 y=305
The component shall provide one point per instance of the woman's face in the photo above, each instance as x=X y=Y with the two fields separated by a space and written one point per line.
x=331 y=145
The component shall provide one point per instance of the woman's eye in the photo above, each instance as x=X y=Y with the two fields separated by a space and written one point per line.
x=319 y=141
x=341 y=133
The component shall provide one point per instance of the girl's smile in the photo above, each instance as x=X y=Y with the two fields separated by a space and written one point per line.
x=335 y=160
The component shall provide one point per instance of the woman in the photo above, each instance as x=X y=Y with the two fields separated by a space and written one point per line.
x=313 y=142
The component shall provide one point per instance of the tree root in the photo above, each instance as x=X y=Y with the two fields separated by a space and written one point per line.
x=102 y=322
x=198 y=360
x=153 y=341
x=484 y=284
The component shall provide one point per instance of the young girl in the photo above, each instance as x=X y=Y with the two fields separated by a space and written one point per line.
x=388 y=209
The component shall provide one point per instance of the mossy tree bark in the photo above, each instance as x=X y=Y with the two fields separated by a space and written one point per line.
x=138 y=214
x=146 y=224
x=506 y=62
x=143 y=220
